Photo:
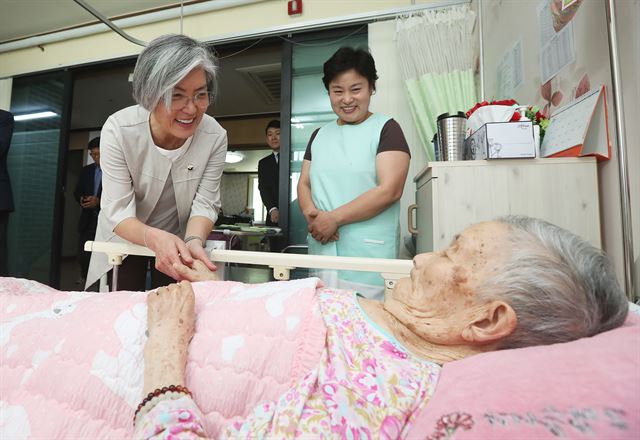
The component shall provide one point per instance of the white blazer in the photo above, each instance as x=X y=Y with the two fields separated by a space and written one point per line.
x=134 y=174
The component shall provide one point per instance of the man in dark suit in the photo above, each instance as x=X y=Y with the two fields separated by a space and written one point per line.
x=268 y=180
x=87 y=193
x=268 y=174
x=6 y=196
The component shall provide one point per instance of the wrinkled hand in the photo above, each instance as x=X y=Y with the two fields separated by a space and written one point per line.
x=199 y=254
x=89 y=202
x=171 y=312
x=197 y=272
x=171 y=325
x=323 y=226
x=274 y=215
x=169 y=249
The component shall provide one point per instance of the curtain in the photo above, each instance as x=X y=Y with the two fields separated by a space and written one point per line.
x=437 y=52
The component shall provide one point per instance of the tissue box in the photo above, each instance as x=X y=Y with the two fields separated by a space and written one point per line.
x=501 y=140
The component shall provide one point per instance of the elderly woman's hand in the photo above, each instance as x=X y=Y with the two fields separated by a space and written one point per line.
x=170 y=324
x=199 y=255
x=197 y=272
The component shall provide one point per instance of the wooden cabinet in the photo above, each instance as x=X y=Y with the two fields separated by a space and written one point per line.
x=453 y=195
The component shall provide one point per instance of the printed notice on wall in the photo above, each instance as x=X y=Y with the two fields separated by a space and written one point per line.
x=510 y=71
x=557 y=49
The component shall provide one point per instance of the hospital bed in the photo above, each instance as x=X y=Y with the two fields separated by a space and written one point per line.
x=71 y=365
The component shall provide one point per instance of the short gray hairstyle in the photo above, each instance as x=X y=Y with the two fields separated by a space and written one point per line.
x=164 y=63
x=560 y=287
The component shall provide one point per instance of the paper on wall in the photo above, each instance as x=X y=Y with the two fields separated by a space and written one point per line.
x=510 y=71
x=557 y=49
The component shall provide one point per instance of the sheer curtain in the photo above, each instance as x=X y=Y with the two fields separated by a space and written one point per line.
x=437 y=51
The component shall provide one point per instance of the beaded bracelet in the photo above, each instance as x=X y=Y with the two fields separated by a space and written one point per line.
x=174 y=389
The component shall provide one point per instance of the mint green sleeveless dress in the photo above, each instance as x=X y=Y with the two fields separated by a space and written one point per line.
x=343 y=166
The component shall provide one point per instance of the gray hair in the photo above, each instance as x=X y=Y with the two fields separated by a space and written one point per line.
x=164 y=63
x=560 y=287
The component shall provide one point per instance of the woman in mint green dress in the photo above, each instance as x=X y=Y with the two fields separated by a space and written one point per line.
x=353 y=174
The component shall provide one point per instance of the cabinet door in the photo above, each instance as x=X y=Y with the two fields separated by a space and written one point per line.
x=565 y=194
x=424 y=216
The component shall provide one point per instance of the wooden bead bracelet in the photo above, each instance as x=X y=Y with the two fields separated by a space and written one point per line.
x=158 y=392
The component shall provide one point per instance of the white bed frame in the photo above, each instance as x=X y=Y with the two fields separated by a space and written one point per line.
x=282 y=264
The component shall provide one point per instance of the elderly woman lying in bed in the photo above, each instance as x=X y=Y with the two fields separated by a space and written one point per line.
x=510 y=283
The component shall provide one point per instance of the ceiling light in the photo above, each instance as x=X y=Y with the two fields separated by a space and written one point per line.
x=38 y=115
x=233 y=157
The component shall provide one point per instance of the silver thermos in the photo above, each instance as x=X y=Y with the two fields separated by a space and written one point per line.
x=451 y=131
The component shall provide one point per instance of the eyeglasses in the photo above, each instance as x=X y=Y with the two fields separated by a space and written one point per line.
x=200 y=100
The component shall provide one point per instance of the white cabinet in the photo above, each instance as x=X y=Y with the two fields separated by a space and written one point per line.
x=453 y=195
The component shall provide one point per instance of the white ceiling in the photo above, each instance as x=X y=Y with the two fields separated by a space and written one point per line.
x=99 y=92
x=25 y=18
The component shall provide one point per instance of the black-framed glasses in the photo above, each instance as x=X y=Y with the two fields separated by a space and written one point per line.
x=200 y=100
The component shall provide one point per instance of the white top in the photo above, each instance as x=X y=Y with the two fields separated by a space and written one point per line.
x=164 y=216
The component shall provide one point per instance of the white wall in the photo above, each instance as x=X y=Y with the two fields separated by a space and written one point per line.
x=391 y=99
x=5 y=93
x=506 y=22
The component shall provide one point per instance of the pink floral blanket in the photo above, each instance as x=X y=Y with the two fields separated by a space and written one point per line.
x=71 y=362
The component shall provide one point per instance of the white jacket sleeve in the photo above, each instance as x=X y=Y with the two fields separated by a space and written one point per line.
x=118 y=196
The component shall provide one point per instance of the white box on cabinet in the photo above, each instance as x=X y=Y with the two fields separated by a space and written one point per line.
x=501 y=140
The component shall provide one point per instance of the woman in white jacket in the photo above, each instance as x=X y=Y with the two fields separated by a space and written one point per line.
x=162 y=162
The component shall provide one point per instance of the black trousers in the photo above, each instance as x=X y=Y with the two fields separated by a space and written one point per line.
x=4 y=239
x=132 y=274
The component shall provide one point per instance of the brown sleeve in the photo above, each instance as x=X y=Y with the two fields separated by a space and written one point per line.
x=392 y=138
x=307 y=153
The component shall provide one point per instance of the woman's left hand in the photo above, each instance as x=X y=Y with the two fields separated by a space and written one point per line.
x=198 y=253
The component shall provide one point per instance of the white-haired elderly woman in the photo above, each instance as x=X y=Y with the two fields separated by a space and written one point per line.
x=162 y=162
x=510 y=283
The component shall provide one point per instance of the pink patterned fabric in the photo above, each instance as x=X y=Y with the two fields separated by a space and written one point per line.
x=366 y=386
x=71 y=362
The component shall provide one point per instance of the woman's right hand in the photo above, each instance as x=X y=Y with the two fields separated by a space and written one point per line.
x=169 y=249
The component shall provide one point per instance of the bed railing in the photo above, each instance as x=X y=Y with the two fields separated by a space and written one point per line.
x=281 y=264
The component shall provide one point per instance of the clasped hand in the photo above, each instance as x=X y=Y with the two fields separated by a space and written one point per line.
x=172 y=252
x=323 y=226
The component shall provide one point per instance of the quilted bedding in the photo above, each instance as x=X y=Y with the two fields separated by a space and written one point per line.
x=71 y=362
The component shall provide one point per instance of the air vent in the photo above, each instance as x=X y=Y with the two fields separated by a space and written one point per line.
x=265 y=80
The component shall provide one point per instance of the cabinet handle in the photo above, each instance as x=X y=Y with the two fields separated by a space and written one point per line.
x=413 y=207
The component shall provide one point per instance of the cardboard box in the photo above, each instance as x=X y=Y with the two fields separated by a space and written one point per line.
x=501 y=140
